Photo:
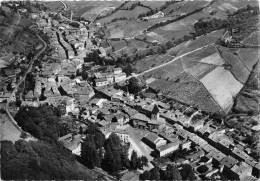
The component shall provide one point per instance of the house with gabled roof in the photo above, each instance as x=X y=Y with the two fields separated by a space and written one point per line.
x=153 y=140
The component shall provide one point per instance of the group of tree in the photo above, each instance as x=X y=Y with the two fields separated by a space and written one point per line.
x=91 y=154
x=42 y=122
x=138 y=162
x=109 y=154
x=38 y=160
x=171 y=173
x=134 y=85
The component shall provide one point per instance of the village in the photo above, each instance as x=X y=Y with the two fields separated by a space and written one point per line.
x=95 y=94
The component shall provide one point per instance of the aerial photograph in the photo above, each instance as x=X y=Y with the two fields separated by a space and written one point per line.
x=130 y=90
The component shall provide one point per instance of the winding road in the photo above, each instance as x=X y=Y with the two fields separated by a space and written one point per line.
x=18 y=84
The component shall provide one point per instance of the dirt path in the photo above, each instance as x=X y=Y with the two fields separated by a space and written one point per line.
x=136 y=75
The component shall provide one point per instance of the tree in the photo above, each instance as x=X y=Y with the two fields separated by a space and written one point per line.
x=169 y=44
x=133 y=161
x=154 y=174
x=144 y=161
x=145 y=175
x=171 y=173
x=187 y=172
x=133 y=85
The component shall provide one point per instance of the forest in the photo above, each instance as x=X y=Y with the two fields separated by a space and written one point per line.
x=45 y=159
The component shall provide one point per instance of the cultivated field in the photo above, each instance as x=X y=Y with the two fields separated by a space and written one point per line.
x=194 y=58
x=238 y=69
x=175 y=50
x=222 y=86
x=253 y=39
x=128 y=14
x=184 y=7
x=214 y=59
x=118 y=44
x=200 y=70
x=204 y=40
x=249 y=56
x=153 y=4
x=151 y=61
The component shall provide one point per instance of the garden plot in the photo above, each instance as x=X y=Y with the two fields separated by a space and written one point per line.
x=249 y=56
x=214 y=59
x=222 y=86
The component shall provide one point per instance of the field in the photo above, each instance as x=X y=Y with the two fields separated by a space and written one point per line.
x=171 y=71
x=194 y=58
x=175 y=50
x=222 y=86
x=151 y=61
x=132 y=27
x=214 y=59
x=118 y=44
x=253 y=39
x=188 y=90
x=54 y=5
x=238 y=69
x=248 y=99
x=174 y=30
x=204 y=40
x=153 y=4
x=128 y=14
x=184 y=7
x=249 y=56
x=200 y=70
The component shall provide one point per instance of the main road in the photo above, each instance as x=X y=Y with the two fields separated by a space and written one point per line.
x=18 y=84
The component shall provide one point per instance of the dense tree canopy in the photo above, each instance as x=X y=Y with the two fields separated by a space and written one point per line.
x=37 y=160
x=42 y=122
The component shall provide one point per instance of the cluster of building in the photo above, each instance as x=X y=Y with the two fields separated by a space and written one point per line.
x=103 y=79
